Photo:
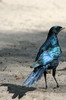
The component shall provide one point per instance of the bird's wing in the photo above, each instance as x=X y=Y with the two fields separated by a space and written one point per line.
x=47 y=57
x=43 y=48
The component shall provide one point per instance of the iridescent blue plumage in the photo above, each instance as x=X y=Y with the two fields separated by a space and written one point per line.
x=50 y=52
x=47 y=57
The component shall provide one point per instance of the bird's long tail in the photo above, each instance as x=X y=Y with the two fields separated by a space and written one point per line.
x=33 y=77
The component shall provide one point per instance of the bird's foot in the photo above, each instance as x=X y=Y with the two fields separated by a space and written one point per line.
x=45 y=87
x=56 y=87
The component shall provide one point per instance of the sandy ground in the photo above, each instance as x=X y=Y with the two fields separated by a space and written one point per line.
x=24 y=25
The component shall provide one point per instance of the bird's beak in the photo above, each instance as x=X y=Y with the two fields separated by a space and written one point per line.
x=62 y=28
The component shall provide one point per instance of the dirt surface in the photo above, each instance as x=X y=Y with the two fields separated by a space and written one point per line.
x=24 y=26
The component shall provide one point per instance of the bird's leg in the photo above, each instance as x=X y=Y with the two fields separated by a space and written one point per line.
x=45 y=79
x=54 y=73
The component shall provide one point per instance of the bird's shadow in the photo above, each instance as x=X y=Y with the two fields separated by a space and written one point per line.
x=17 y=90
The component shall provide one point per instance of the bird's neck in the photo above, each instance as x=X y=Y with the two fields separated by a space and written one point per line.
x=53 y=40
x=52 y=35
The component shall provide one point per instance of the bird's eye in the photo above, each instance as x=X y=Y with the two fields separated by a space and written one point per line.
x=58 y=29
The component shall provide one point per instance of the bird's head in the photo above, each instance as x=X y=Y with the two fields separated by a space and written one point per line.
x=55 y=30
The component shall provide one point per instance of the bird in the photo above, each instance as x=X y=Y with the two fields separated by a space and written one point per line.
x=48 y=57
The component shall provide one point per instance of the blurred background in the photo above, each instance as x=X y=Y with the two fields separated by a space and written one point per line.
x=31 y=14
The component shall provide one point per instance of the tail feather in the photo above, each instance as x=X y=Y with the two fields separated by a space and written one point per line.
x=35 y=65
x=33 y=77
